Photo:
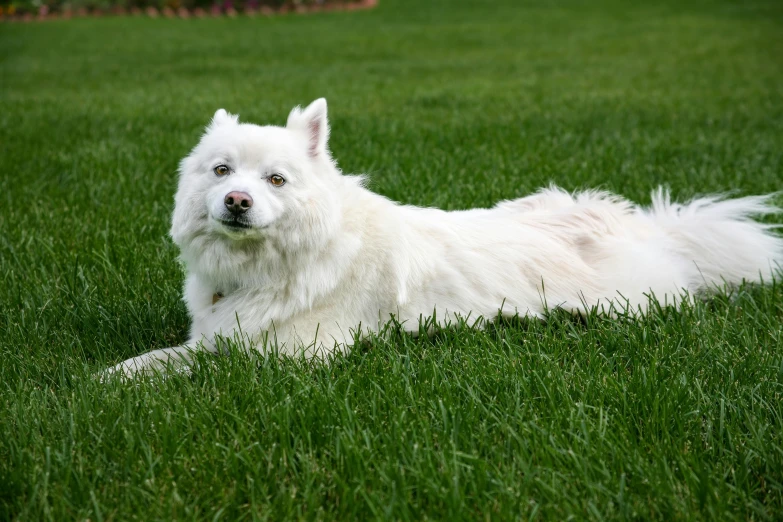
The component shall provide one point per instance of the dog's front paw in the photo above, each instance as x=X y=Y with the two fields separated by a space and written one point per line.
x=128 y=369
x=157 y=362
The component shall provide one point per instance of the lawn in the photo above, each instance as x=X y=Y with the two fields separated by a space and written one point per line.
x=444 y=103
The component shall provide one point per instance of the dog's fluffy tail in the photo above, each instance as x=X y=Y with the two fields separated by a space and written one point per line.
x=721 y=237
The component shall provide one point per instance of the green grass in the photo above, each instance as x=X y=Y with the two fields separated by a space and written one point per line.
x=454 y=104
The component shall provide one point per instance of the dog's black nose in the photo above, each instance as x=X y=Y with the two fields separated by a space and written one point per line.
x=238 y=202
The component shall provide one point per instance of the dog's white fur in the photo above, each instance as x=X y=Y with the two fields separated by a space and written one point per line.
x=325 y=259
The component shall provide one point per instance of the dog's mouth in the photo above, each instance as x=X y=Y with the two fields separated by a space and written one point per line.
x=234 y=224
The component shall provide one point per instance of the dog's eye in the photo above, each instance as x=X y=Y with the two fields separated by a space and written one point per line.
x=277 y=180
x=221 y=170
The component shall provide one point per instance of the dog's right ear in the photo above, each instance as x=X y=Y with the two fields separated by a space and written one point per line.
x=222 y=117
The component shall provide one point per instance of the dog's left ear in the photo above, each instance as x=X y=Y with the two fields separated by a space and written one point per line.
x=222 y=117
x=313 y=122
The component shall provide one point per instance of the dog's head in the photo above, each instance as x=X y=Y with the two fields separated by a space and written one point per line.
x=244 y=184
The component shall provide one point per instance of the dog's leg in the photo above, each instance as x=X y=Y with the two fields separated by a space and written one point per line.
x=178 y=358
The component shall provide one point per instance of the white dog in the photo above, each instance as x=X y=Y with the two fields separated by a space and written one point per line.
x=283 y=249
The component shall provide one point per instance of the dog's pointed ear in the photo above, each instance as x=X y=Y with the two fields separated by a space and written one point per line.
x=313 y=122
x=222 y=117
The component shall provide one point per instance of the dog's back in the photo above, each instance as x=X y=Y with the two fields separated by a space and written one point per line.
x=554 y=249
